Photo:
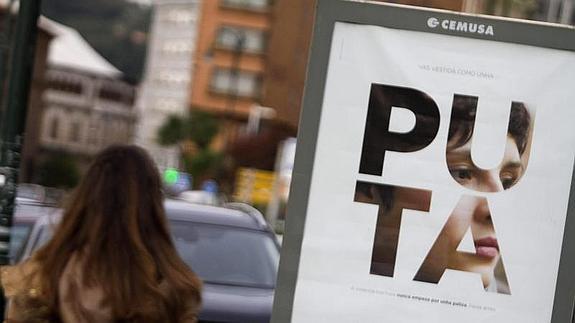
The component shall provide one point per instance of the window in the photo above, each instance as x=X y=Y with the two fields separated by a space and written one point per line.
x=75 y=132
x=227 y=255
x=257 y=5
x=54 y=128
x=19 y=233
x=93 y=133
x=110 y=94
x=167 y=104
x=177 y=47
x=254 y=40
x=116 y=93
x=173 y=77
x=65 y=85
x=179 y=16
x=244 y=84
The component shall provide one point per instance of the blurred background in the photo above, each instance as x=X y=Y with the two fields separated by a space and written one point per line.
x=212 y=89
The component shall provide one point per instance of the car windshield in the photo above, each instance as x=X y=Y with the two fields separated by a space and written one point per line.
x=18 y=235
x=227 y=255
x=218 y=254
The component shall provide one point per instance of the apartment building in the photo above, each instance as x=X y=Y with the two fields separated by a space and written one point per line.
x=168 y=74
x=86 y=105
x=230 y=62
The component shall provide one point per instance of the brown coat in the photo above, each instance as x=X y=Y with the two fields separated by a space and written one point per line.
x=78 y=304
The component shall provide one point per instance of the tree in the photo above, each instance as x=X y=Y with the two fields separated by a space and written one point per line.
x=173 y=131
x=59 y=171
x=203 y=127
x=199 y=128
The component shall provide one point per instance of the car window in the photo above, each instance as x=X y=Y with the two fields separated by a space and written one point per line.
x=227 y=255
x=18 y=235
x=218 y=254
x=32 y=209
x=44 y=235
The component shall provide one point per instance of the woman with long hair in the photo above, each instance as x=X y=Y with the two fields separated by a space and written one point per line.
x=111 y=258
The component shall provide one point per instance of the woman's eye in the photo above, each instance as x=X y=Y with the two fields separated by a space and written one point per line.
x=508 y=180
x=461 y=174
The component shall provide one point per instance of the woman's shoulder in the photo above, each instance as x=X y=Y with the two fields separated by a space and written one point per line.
x=18 y=278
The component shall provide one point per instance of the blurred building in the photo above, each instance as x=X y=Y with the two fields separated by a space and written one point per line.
x=249 y=53
x=455 y=5
x=287 y=59
x=86 y=105
x=167 y=78
x=557 y=11
x=560 y=11
x=284 y=75
x=230 y=61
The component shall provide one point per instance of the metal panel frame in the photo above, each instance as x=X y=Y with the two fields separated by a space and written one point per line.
x=415 y=19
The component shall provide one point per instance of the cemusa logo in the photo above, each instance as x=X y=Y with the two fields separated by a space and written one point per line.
x=461 y=26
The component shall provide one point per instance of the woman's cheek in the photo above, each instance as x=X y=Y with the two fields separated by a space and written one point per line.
x=457 y=226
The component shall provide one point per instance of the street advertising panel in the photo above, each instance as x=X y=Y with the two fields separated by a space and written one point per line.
x=433 y=173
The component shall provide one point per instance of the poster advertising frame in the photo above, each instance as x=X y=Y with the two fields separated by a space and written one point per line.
x=330 y=12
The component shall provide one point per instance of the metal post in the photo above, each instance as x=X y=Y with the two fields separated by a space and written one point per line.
x=5 y=46
x=14 y=117
x=233 y=84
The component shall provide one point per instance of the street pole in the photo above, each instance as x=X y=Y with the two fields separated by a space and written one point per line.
x=5 y=46
x=14 y=115
x=233 y=84
x=231 y=105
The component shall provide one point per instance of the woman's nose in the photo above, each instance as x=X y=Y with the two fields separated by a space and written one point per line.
x=491 y=182
x=481 y=212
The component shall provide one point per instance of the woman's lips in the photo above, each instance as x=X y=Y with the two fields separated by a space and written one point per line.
x=487 y=247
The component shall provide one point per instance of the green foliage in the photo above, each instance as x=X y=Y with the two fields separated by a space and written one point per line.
x=203 y=163
x=200 y=128
x=59 y=171
x=117 y=29
x=203 y=127
x=173 y=131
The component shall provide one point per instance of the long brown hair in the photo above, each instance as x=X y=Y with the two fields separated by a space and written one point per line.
x=116 y=225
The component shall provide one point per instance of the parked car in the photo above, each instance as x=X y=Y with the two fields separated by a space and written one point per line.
x=27 y=211
x=232 y=248
x=32 y=202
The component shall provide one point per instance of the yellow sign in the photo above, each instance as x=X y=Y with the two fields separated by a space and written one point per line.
x=254 y=186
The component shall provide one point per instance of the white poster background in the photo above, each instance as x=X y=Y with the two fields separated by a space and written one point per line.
x=334 y=283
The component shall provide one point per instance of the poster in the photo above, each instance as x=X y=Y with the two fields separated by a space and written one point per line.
x=441 y=179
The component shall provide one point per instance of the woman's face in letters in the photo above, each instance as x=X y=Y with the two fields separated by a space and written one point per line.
x=500 y=178
x=474 y=212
